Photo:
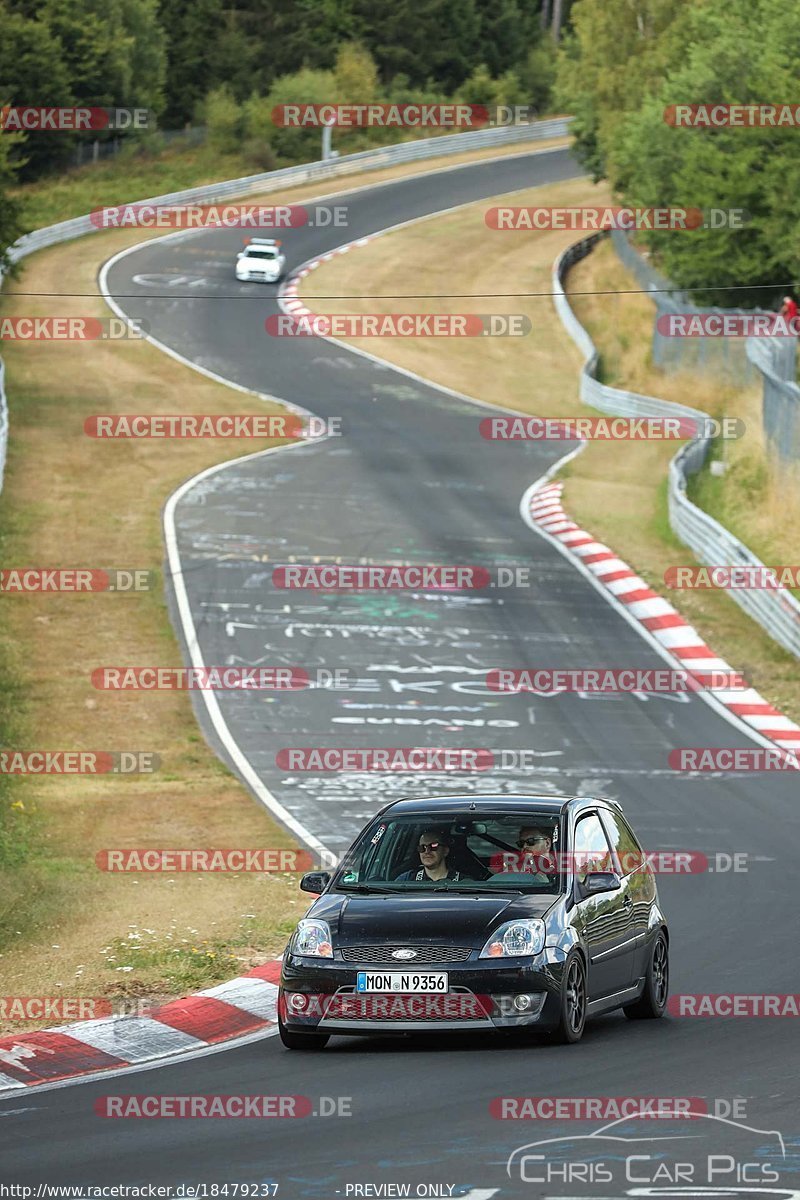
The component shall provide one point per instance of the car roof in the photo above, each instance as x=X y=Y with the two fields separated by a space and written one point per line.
x=483 y=803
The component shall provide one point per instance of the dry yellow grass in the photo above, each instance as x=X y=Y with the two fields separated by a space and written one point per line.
x=617 y=490
x=71 y=500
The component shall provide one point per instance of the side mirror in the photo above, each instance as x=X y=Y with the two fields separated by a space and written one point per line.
x=315 y=882
x=241 y=254
x=600 y=881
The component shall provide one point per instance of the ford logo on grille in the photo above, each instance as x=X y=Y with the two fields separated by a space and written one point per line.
x=404 y=953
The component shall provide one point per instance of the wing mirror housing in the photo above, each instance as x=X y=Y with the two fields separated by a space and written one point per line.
x=600 y=881
x=315 y=882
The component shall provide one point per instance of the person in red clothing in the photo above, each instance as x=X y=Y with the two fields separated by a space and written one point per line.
x=789 y=313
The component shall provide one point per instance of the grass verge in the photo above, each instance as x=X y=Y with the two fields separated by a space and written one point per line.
x=618 y=490
x=77 y=192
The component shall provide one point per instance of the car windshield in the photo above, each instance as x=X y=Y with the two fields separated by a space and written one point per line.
x=262 y=253
x=508 y=851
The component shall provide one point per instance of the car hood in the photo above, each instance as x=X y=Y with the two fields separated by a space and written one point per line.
x=464 y=920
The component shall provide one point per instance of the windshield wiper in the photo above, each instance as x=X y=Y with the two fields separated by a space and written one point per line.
x=459 y=891
x=364 y=888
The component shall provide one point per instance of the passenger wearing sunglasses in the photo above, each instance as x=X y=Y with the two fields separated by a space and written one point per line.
x=534 y=847
x=433 y=847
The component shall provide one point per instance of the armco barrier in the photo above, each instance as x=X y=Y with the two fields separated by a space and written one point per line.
x=270 y=181
x=778 y=612
x=773 y=360
x=780 y=396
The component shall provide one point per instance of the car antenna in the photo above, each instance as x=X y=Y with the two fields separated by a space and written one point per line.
x=472 y=806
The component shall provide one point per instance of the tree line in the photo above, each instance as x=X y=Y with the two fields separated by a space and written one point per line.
x=624 y=62
x=224 y=64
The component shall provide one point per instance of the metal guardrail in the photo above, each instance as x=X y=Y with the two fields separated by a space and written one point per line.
x=772 y=360
x=268 y=181
x=780 y=395
x=776 y=611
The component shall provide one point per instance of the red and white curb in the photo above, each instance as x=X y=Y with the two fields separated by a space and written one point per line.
x=242 y=1006
x=656 y=615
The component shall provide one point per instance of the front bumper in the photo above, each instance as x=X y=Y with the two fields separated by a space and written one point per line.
x=484 y=994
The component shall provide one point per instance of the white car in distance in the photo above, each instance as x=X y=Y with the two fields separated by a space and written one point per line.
x=260 y=262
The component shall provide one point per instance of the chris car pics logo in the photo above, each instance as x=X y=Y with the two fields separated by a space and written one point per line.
x=711 y=1151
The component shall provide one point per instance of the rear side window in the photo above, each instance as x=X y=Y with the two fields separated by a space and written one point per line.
x=623 y=842
x=591 y=847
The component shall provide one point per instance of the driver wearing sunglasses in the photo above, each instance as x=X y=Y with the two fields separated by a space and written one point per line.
x=433 y=847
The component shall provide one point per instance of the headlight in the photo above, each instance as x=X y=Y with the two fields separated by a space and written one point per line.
x=313 y=939
x=515 y=939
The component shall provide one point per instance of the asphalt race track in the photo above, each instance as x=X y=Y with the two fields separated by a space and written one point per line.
x=412 y=479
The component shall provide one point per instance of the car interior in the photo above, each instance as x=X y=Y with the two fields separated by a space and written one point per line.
x=481 y=850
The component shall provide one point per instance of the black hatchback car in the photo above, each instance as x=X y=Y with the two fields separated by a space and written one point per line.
x=478 y=912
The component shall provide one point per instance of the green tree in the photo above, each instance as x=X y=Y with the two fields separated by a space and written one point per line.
x=480 y=88
x=507 y=30
x=33 y=72
x=355 y=74
x=257 y=132
x=618 y=55
x=301 y=87
x=537 y=76
x=435 y=40
x=223 y=118
x=741 y=52
x=10 y=216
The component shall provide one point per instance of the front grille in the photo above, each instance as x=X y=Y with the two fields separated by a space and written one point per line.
x=424 y=954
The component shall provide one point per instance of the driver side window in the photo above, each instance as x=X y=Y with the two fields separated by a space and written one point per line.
x=592 y=853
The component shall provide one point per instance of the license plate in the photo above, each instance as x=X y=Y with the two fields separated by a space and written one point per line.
x=401 y=981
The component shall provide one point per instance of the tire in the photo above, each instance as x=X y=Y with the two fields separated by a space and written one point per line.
x=653 y=1001
x=298 y=1040
x=572 y=1015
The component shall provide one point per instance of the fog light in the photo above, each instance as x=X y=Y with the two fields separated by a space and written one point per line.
x=518 y=1009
